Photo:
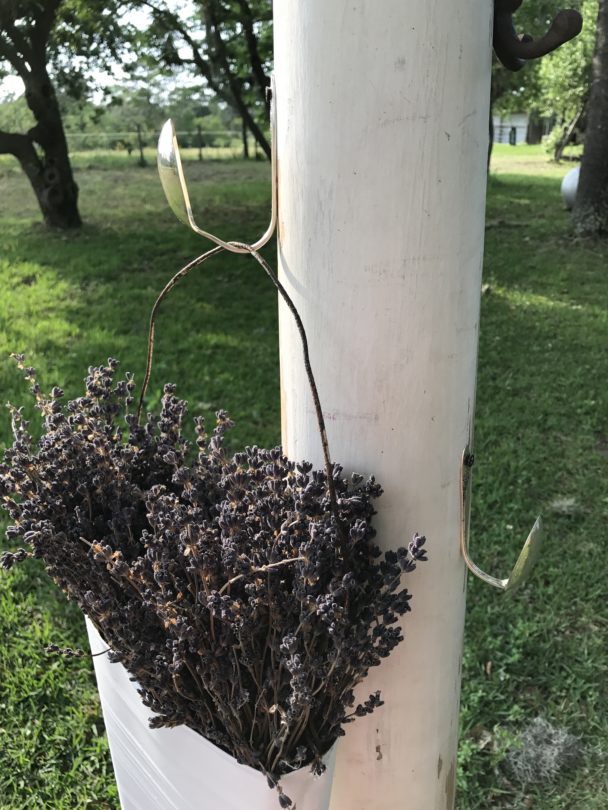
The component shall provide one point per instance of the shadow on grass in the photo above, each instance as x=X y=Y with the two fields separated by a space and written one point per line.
x=529 y=243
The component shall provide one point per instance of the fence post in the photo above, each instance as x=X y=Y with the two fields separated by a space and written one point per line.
x=245 y=139
x=200 y=141
x=382 y=113
x=140 y=144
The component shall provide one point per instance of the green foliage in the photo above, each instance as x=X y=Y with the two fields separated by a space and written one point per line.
x=131 y=106
x=227 y=42
x=54 y=45
x=519 y=91
x=15 y=115
x=81 y=36
x=230 y=17
x=558 y=83
x=89 y=36
x=113 y=123
x=565 y=75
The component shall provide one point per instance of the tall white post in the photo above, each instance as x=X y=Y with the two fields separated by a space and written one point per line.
x=382 y=110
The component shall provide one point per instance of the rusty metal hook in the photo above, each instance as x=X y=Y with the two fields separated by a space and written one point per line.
x=527 y=556
x=513 y=51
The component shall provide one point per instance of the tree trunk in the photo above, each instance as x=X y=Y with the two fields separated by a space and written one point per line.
x=245 y=136
x=220 y=57
x=490 y=136
x=590 y=213
x=534 y=134
x=563 y=142
x=51 y=174
x=257 y=68
x=381 y=225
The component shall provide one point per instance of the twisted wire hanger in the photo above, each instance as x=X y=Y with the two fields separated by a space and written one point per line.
x=174 y=184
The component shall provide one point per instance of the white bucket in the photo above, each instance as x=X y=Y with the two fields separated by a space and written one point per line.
x=569 y=187
x=178 y=769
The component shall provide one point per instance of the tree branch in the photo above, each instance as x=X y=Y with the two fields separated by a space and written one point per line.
x=11 y=143
x=43 y=25
x=9 y=52
x=212 y=25
x=254 y=54
x=197 y=57
x=234 y=98
x=18 y=38
x=21 y=147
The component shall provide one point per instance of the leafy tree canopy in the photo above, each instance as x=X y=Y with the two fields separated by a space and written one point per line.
x=526 y=89
x=73 y=38
x=227 y=42
x=565 y=77
x=51 y=45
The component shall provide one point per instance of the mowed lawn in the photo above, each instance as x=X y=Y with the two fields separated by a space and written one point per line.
x=70 y=301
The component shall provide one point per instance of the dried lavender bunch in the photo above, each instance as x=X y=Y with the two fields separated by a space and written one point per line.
x=225 y=585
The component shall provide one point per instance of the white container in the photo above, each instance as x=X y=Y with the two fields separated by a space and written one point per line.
x=176 y=768
x=570 y=187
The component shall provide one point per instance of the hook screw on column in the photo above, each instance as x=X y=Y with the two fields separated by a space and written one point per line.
x=514 y=51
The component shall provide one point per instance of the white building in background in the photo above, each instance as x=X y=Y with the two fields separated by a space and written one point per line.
x=511 y=128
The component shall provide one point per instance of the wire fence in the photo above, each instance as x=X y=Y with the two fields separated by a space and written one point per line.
x=139 y=145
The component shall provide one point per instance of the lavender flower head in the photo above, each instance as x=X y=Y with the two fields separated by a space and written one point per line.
x=227 y=586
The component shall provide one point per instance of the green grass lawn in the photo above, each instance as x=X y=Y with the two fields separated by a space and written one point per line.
x=541 y=437
x=541 y=445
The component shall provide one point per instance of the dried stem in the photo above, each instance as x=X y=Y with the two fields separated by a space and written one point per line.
x=261 y=570
x=303 y=338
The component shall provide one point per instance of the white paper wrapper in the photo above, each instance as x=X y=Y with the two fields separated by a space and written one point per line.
x=177 y=769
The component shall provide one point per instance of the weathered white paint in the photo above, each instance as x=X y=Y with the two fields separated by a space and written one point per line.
x=382 y=114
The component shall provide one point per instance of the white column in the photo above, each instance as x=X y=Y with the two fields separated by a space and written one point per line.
x=382 y=110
